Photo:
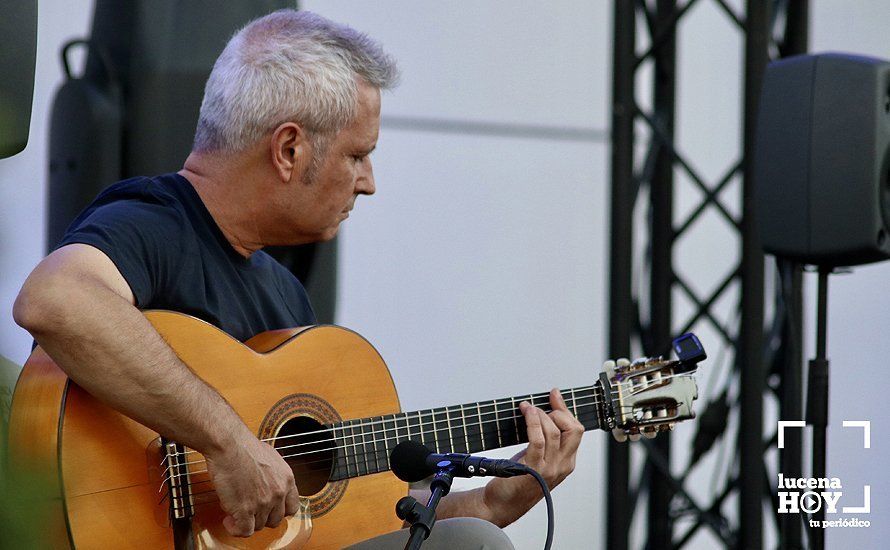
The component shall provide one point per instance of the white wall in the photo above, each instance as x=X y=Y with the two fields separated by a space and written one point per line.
x=23 y=177
x=479 y=268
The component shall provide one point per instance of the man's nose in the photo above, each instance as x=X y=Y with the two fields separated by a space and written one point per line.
x=365 y=184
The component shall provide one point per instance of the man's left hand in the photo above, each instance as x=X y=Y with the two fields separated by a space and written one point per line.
x=553 y=440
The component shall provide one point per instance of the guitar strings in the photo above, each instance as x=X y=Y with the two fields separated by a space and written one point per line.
x=433 y=422
x=356 y=459
x=495 y=403
x=578 y=401
x=355 y=456
x=374 y=434
x=574 y=399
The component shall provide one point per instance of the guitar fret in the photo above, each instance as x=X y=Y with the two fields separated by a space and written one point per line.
x=450 y=432
x=506 y=421
x=365 y=442
x=574 y=402
x=341 y=454
x=475 y=442
x=589 y=410
x=513 y=409
x=371 y=451
x=429 y=437
x=383 y=438
x=520 y=422
x=407 y=428
x=405 y=434
x=382 y=455
x=427 y=430
x=371 y=434
x=418 y=437
x=463 y=418
x=458 y=432
x=389 y=426
x=376 y=434
x=497 y=423
x=441 y=435
x=344 y=451
x=355 y=454
x=488 y=426
x=352 y=454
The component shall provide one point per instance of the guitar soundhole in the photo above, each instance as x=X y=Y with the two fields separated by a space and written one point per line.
x=309 y=449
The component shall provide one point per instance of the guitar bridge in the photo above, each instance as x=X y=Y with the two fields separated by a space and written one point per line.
x=177 y=480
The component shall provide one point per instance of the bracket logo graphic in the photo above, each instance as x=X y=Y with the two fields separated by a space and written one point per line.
x=809 y=495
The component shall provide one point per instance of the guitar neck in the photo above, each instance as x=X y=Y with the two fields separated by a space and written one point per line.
x=364 y=444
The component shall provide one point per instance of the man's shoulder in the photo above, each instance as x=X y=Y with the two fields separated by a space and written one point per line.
x=160 y=190
x=139 y=200
x=139 y=208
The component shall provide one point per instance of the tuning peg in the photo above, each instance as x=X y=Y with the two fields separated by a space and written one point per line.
x=634 y=437
x=619 y=435
x=650 y=434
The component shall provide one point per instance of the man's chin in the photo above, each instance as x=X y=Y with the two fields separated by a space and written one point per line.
x=329 y=234
x=309 y=238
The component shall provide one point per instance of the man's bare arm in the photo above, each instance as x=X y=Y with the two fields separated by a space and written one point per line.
x=81 y=311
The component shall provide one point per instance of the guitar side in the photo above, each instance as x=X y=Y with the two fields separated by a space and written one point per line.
x=105 y=489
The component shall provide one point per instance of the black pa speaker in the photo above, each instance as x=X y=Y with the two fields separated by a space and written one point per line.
x=822 y=159
x=86 y=125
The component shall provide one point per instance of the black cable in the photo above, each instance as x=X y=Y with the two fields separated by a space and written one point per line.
x=549 y=500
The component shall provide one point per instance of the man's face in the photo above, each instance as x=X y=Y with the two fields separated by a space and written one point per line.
x=344 y=172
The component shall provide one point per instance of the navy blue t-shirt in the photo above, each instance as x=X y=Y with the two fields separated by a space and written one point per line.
x=169 y=249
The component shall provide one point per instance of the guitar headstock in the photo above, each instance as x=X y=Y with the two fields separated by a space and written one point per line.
x=651 y=395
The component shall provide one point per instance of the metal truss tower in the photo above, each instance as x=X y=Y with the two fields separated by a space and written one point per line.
x=771 y=29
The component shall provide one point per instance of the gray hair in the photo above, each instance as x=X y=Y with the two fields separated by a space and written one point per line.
x=288 y=66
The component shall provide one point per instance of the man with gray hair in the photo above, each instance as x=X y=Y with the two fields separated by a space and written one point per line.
x=290 y=115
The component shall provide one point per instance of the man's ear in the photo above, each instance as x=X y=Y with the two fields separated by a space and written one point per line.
x=290 y=151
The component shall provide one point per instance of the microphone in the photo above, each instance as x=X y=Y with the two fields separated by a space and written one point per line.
x=410 y=461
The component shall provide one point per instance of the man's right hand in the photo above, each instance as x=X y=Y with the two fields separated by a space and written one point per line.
x=255 y=485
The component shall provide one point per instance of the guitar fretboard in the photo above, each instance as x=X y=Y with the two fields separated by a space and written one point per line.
x=364 y=445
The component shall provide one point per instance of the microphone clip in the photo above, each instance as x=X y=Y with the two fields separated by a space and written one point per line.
x=422 y=518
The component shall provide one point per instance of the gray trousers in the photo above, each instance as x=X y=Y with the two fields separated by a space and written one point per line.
x=448 y=534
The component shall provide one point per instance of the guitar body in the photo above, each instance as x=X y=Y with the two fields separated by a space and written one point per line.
x=107 y=469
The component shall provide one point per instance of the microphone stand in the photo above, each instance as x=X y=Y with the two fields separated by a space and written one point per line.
x=420 y=517
x=817 y=399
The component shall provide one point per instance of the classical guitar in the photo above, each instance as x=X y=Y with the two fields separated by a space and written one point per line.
x=323 y=397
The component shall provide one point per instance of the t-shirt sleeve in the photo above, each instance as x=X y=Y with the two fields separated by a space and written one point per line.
x=143 y=240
